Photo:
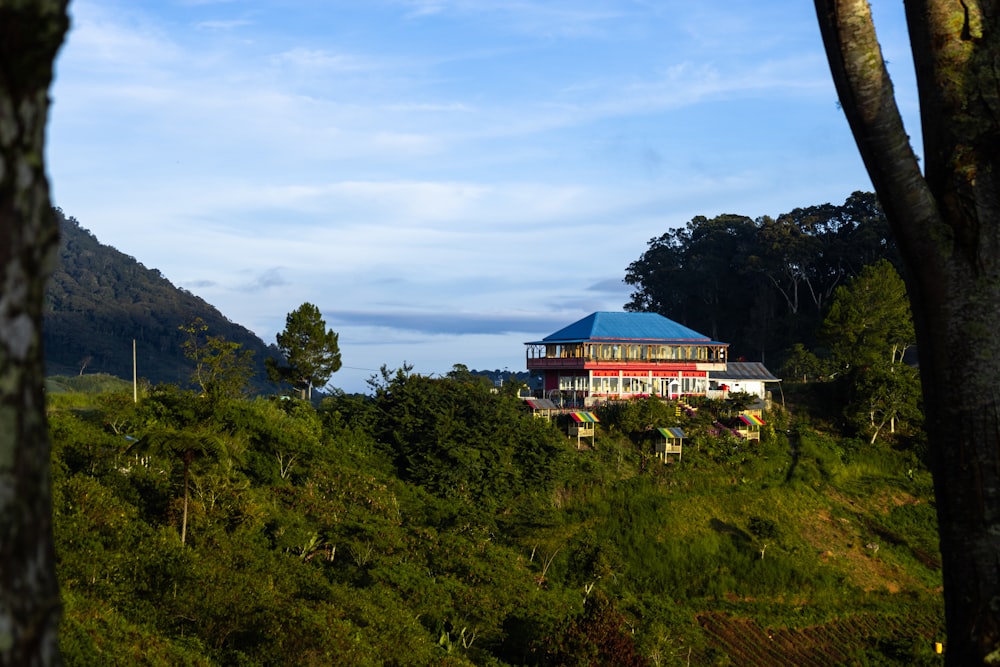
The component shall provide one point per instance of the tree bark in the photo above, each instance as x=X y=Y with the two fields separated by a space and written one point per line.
x=188 y=457
x=947 y=225
x=30 y=36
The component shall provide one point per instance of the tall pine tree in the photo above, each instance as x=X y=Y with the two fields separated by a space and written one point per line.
x=312 y=352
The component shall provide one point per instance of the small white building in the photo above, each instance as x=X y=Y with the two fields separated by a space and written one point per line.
x=749 y=377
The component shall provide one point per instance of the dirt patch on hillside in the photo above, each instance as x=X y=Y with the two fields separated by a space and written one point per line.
x=880 y=501
x=846 y=544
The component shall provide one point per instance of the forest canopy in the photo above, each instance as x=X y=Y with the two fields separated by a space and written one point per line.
x=761 y=284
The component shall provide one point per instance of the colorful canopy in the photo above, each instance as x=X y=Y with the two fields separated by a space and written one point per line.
x=751 y=420
x=671 y=432
x=584 y=417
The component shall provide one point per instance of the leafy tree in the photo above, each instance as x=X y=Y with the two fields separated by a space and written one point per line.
x=463 y=441
x=599 y=636
x=881 y=395
x=184 y=445
x=869 y=329
x=761 y=284
x=461 y=373
x=687 y=274
x=785 y=257
x=946 y=219
x=869 y=321
x=281 y=435
x=222 y=368
x=802 y=364
x=312 y=351
x=638 y=415
x=808 y=252
x=30 y=37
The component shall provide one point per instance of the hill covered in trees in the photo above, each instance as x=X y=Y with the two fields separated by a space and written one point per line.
x=99 y=300
x=763 y=285
x=437 y=522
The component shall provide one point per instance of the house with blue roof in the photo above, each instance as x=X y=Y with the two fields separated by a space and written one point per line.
x=610 y=355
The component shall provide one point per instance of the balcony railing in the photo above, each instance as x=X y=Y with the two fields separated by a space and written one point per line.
x=598 y=353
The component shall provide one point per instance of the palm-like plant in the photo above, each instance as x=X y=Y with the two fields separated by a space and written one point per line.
x=185 y=445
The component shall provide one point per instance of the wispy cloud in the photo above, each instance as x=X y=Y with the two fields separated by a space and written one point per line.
x=555 y=18
x=222 y=25
x=267 y=279
x=448 y=323
x=316 y=60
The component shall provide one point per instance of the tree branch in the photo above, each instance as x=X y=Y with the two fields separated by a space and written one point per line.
x=866 y=95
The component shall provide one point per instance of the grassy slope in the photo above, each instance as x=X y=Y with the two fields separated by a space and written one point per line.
x=803 y=550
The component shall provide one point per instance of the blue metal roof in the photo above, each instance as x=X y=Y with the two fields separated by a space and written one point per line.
x=625 y=327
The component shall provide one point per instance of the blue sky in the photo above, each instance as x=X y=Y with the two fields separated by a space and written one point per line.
x=445 y=179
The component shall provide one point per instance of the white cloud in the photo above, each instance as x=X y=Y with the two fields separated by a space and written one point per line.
x=319 y=60
x=220 y=25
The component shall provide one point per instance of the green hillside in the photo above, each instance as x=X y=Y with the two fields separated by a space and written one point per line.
x=99 y=300
x=438 y=523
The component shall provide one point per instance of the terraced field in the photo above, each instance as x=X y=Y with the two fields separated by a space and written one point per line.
x=901 y=640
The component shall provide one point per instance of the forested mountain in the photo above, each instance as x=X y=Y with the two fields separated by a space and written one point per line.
x=762 y=285
x=99 y=300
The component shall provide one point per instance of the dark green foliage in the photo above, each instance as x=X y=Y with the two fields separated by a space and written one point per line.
x=802 y=365
x=438 y=523
x=869 y=319
x=462 y=441
x=762 y=285
x=763 y=528
x=99 y=300
x=598 y=636
x=637 y=416
x=93 y=632
x=222 y=369
x=311 y=352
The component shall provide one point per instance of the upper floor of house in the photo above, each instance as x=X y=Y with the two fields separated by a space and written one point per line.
x=626 y=339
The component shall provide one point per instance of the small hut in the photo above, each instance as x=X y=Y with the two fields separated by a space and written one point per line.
x=583 y=425
x=541 y=407
x=748 y=425
x=670 y=441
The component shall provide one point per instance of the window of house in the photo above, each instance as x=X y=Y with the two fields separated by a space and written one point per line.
x=573 y=382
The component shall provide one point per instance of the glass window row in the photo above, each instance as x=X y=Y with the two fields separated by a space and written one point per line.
x=625 y=352
x=633 y=385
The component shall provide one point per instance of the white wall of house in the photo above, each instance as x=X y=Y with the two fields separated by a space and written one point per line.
x=752 y=387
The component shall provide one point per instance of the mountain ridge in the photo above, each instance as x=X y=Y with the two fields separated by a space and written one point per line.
x=99 y=299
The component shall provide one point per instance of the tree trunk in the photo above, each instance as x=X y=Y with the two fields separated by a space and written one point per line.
x=30 y=36
x=947 y=225
x=188 y=456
